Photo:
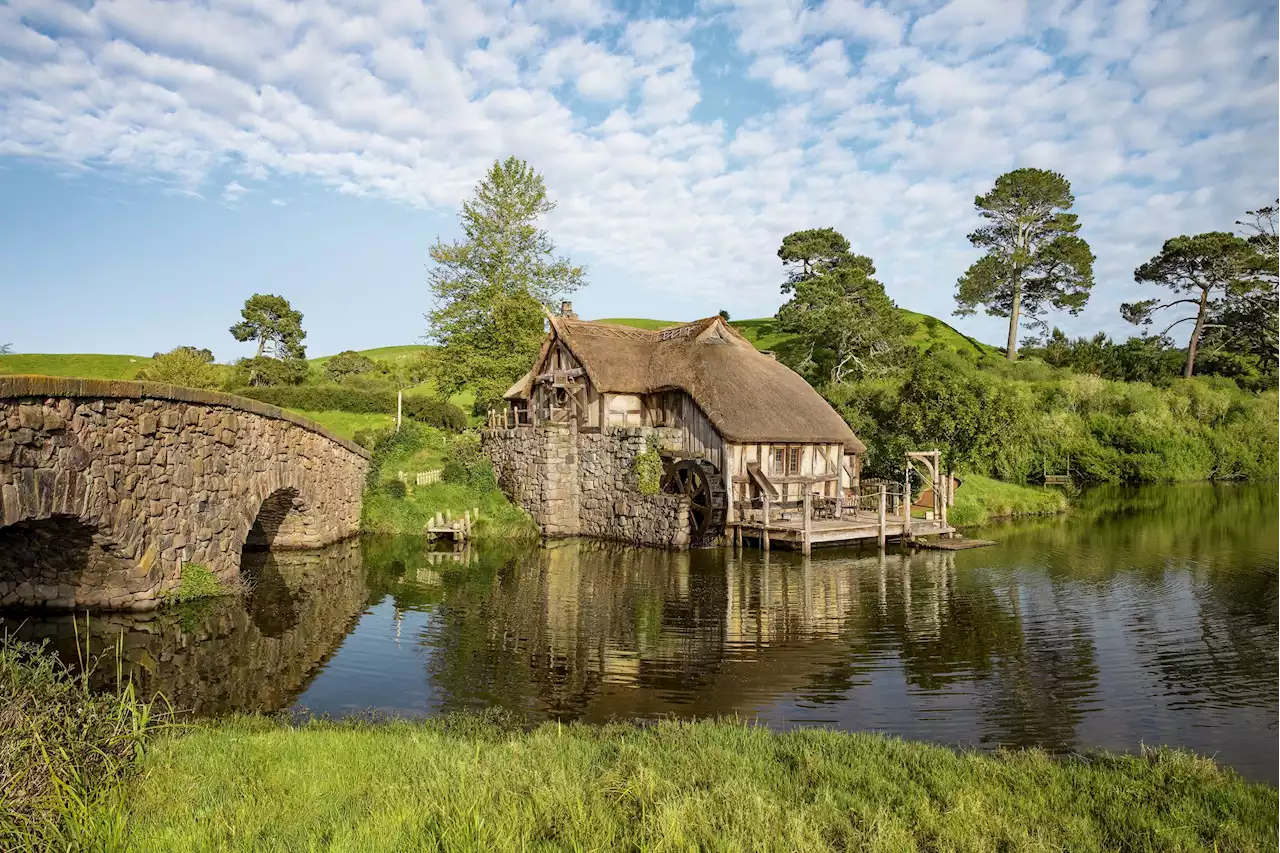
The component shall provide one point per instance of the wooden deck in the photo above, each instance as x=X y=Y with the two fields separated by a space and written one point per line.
x=851 y=527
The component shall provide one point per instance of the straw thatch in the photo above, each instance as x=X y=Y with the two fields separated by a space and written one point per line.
x=748 y=397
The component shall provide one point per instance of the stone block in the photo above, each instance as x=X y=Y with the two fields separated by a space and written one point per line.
x=31 y=417
x=147 y=425
x=6 y=449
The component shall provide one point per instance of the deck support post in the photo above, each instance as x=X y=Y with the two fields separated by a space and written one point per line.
x=764 y=532
x=808 y=521
x=883 y=497
x=906 y=502
x=946 y=496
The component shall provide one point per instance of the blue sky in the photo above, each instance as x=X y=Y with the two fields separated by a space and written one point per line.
x=161 y=161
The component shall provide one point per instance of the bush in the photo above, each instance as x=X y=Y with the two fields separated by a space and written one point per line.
x=648 y=469
x=395 y=489
x=262 y=371
x=185 y=366
x=467 y=463
x=330 y=398
x=348 y=362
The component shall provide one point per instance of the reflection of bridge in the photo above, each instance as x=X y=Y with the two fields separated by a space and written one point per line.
x=108 y=488
x=228 y=654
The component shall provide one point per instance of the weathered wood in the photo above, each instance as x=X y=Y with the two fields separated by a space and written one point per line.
x=808 y=521
x=883 y=496
x=906 y=501
x=764 y=539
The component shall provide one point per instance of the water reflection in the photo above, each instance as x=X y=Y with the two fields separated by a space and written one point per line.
x=1144 y=617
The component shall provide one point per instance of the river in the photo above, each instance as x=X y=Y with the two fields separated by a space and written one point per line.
x=1144 y=616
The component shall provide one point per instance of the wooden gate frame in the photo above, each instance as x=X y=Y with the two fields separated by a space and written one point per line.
x=932 y=461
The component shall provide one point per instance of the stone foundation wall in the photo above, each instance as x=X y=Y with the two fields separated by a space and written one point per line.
x=583 y=483
x=108 y=488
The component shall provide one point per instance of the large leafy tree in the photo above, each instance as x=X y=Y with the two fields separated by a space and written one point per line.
x=1034 y=259
x=1249 y=320
x=846 y=325
x=1207 y=273
x=490 y=287
x=271 y=321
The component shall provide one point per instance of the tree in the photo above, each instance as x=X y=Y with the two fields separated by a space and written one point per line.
x=490 y=287
x=846 y=325
x=190 y=367
x=724 y=315
x=348 y=363
x=271 y=321
x=1250 y=320
x=5 y=349
x=1212 y=269
x=1034 y=259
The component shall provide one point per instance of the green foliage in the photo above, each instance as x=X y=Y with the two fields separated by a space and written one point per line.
x=85 y=366
x=491 y=286
x=348 y=363
x=343 y=399
x=486 y=783
x=723 y=315
x=395 y=489
x=5 y=349
x=274 y=324
x=62 y=746
x=196 y=581
x=981 y=499
x=1034 y=261
x=1215 y=276
x=845 y=325
x=185 y=366
x=648 y=469
x=466 y=462
x=264 y=371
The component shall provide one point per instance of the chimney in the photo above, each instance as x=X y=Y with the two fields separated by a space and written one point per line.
x=566 y=310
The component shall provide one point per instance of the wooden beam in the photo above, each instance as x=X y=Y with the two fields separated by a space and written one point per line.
x=883 y=496
x=808 y=521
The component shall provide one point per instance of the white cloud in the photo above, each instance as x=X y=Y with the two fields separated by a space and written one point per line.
x=883 y=120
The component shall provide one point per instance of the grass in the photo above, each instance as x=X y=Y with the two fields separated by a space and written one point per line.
x=391 y=354
x=466 y=783
x=982 y=499
x=384 y=513
x=86 y=366
x=346 y=424
x=62 y=747
x=196 y=582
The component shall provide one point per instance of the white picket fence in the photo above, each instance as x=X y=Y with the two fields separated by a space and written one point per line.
x=421 y=478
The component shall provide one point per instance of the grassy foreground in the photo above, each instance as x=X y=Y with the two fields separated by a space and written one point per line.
x=249 y=784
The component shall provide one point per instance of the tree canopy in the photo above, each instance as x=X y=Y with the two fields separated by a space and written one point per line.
x=1208 y=273
x=846 y=325
x=490 y=287
x=349 y=363
x=1034 y=259
x=271 y=321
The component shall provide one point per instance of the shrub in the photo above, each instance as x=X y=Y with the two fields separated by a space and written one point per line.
x=348 y=362
x=339 y=398
x=263 y=371
x=185 y=366
x=467 y=463
x=648 y=469
x=196 y=581
x=395 y=489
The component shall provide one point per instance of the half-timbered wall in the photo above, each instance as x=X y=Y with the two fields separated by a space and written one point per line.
x=791 y=468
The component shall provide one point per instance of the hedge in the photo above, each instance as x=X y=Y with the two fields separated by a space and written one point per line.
x=337 y=398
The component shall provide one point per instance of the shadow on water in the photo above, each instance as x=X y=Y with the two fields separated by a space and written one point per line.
x=1145 y=616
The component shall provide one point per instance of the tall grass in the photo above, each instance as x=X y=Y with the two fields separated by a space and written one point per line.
x=981 y=499
x=248 y=784
x=62 y=747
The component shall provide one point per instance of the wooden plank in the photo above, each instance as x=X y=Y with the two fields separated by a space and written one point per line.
x=762 y=482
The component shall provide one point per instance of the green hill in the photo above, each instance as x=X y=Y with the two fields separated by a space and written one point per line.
x=85 y=366
x=399 y=353
x=764 y=333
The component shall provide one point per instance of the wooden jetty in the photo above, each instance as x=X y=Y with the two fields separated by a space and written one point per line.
x=445 y=526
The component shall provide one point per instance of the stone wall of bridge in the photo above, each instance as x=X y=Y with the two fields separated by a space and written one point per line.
x=108 y=488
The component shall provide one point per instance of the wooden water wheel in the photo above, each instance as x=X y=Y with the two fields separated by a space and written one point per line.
x=700 y=482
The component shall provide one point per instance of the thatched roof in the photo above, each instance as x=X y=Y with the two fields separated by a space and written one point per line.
x=747 y=396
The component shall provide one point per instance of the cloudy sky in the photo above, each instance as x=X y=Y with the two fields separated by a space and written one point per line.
x=162 y=160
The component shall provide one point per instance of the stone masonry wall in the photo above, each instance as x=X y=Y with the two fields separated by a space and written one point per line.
x=583 y=483
x=108 y=488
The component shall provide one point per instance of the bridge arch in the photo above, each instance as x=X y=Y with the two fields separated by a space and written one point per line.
x=145 y=477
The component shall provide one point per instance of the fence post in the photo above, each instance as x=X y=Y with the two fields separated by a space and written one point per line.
x=808 y=521
x=906 y=502
x=883 y=490
x=764 y=535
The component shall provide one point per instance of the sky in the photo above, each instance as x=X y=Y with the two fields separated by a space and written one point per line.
x=162 y=161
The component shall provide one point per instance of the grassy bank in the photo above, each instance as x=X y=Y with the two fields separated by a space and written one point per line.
x=468 y=784
x=981 y=499
x=62 y=747
x=467 y=482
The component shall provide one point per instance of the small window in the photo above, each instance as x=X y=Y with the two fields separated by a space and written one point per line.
x=786 y=461
x=779 y=461
x=793 y=460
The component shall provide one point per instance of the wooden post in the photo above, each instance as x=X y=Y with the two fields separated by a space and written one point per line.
x=906 y=502
x=946 y=499
x=880 y=537
x=808 y=521
x=764 y=532
x=399 y=405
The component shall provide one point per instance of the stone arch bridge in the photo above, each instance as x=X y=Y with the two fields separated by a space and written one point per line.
x=107 y=488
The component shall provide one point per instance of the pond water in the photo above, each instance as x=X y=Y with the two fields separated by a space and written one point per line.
x=1145 y=616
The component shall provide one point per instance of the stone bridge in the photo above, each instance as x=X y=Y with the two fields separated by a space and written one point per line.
x=108 y=488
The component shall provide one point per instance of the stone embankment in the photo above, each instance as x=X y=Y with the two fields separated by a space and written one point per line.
x=579 y=483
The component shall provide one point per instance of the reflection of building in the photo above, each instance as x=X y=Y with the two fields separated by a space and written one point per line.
x=226 y=654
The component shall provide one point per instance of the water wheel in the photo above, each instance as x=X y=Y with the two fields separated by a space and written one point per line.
x=700 y=482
